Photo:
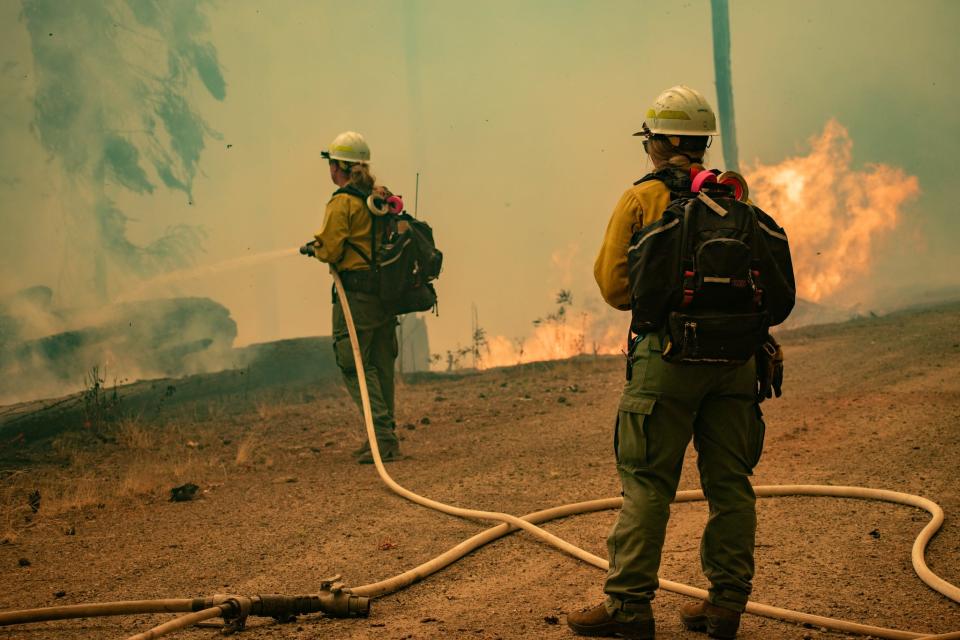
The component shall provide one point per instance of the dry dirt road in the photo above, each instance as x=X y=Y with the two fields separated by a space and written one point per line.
x=874 y=403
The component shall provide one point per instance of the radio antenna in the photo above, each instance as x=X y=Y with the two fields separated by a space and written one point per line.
x=416 y=196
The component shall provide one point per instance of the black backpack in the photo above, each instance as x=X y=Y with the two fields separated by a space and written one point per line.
x=405 y=259
x=712 y=275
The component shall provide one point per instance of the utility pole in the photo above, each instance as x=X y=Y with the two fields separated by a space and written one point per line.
x=724 y=81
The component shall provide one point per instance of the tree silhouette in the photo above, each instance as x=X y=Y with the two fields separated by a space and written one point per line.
x=113 y=79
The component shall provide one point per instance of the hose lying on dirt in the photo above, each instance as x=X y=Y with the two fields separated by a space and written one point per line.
x=217 y=606
x=182 y=623
x=526 y=523
x=332 y=599
x=94 y=610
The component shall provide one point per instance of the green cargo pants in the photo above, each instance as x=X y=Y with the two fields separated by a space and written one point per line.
x=377 y=334
x=662 y=407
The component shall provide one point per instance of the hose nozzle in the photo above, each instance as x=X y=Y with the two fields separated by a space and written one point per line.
x=309 y=249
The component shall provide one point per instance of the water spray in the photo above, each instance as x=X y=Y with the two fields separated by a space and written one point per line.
x=336 y=600
x=205 y=270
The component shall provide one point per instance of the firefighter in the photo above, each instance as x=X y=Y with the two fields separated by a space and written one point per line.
x=663 y=406
x=345 y=241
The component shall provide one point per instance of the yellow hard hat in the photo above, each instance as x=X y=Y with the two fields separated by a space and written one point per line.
x=680 y=111
x=349 y=146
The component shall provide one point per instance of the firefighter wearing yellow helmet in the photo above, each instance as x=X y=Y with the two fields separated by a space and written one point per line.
x=663 y=406
x=344 y=241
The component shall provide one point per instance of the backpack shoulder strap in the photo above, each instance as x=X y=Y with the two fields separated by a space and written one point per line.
x=350 y=189
x=360 y=252
x=676 y=180
x=650 y=176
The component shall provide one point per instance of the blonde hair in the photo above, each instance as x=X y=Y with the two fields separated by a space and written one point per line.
x=665 y=155
x=361 y=178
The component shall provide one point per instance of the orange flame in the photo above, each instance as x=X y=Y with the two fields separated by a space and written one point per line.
x=581 y=334
x=832 y=213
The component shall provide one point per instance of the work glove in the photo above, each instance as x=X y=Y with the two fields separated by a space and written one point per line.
x=769 y=370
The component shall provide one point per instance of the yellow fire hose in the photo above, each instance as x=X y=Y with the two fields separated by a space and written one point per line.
x=355 y=601
x=511 y=523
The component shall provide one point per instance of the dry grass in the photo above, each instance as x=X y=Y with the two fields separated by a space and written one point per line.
x=143 y=462
x=143 y=479
x=135 y=461
x=266 y=411
x=61 y=495
x=247 y=449
x=253 y=449
x=134 y=436
x=71 y=449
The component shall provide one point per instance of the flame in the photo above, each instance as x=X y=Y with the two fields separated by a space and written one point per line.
x=833 y=214
x=581 y=334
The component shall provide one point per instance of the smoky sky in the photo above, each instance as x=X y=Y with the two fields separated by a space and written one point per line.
x=516 y=115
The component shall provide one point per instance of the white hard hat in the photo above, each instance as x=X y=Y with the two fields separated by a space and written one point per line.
x=680 y=111
x=349 y=146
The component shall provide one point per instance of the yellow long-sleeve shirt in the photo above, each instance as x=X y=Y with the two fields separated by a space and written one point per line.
x=346 y=218
x=640 y=205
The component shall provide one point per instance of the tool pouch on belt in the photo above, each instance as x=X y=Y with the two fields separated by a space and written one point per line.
x=362 y=280
x=714 y=338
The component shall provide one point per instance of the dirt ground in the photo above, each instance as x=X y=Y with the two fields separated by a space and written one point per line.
x=282 y=504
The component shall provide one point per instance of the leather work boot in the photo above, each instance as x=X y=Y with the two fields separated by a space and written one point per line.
x=597 y=621
x=365 y=448
x=388 y=453
x=717 y=622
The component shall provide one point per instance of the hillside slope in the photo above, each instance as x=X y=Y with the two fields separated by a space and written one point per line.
x=873 y=402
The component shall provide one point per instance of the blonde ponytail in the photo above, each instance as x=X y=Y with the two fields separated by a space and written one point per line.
x=665 y=155
x=361 y=178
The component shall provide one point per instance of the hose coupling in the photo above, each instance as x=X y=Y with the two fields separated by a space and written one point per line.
x=337 y=605
x=345 y=605
x=333 y=599
x=235 y=613
x=337 y=601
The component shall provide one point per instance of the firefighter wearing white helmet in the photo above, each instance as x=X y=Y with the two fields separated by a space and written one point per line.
x=349 y=147
x=344 y=241
x=680 y=111
x=663 y=406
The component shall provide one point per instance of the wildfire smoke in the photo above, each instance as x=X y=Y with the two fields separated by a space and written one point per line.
x=834 y=216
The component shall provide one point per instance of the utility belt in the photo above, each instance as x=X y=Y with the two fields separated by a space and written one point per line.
x=713 y=338
x=706 y=338
x=362 y=280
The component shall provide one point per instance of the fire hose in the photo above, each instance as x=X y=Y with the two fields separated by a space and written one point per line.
x=526 y=523
x=338 y=601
